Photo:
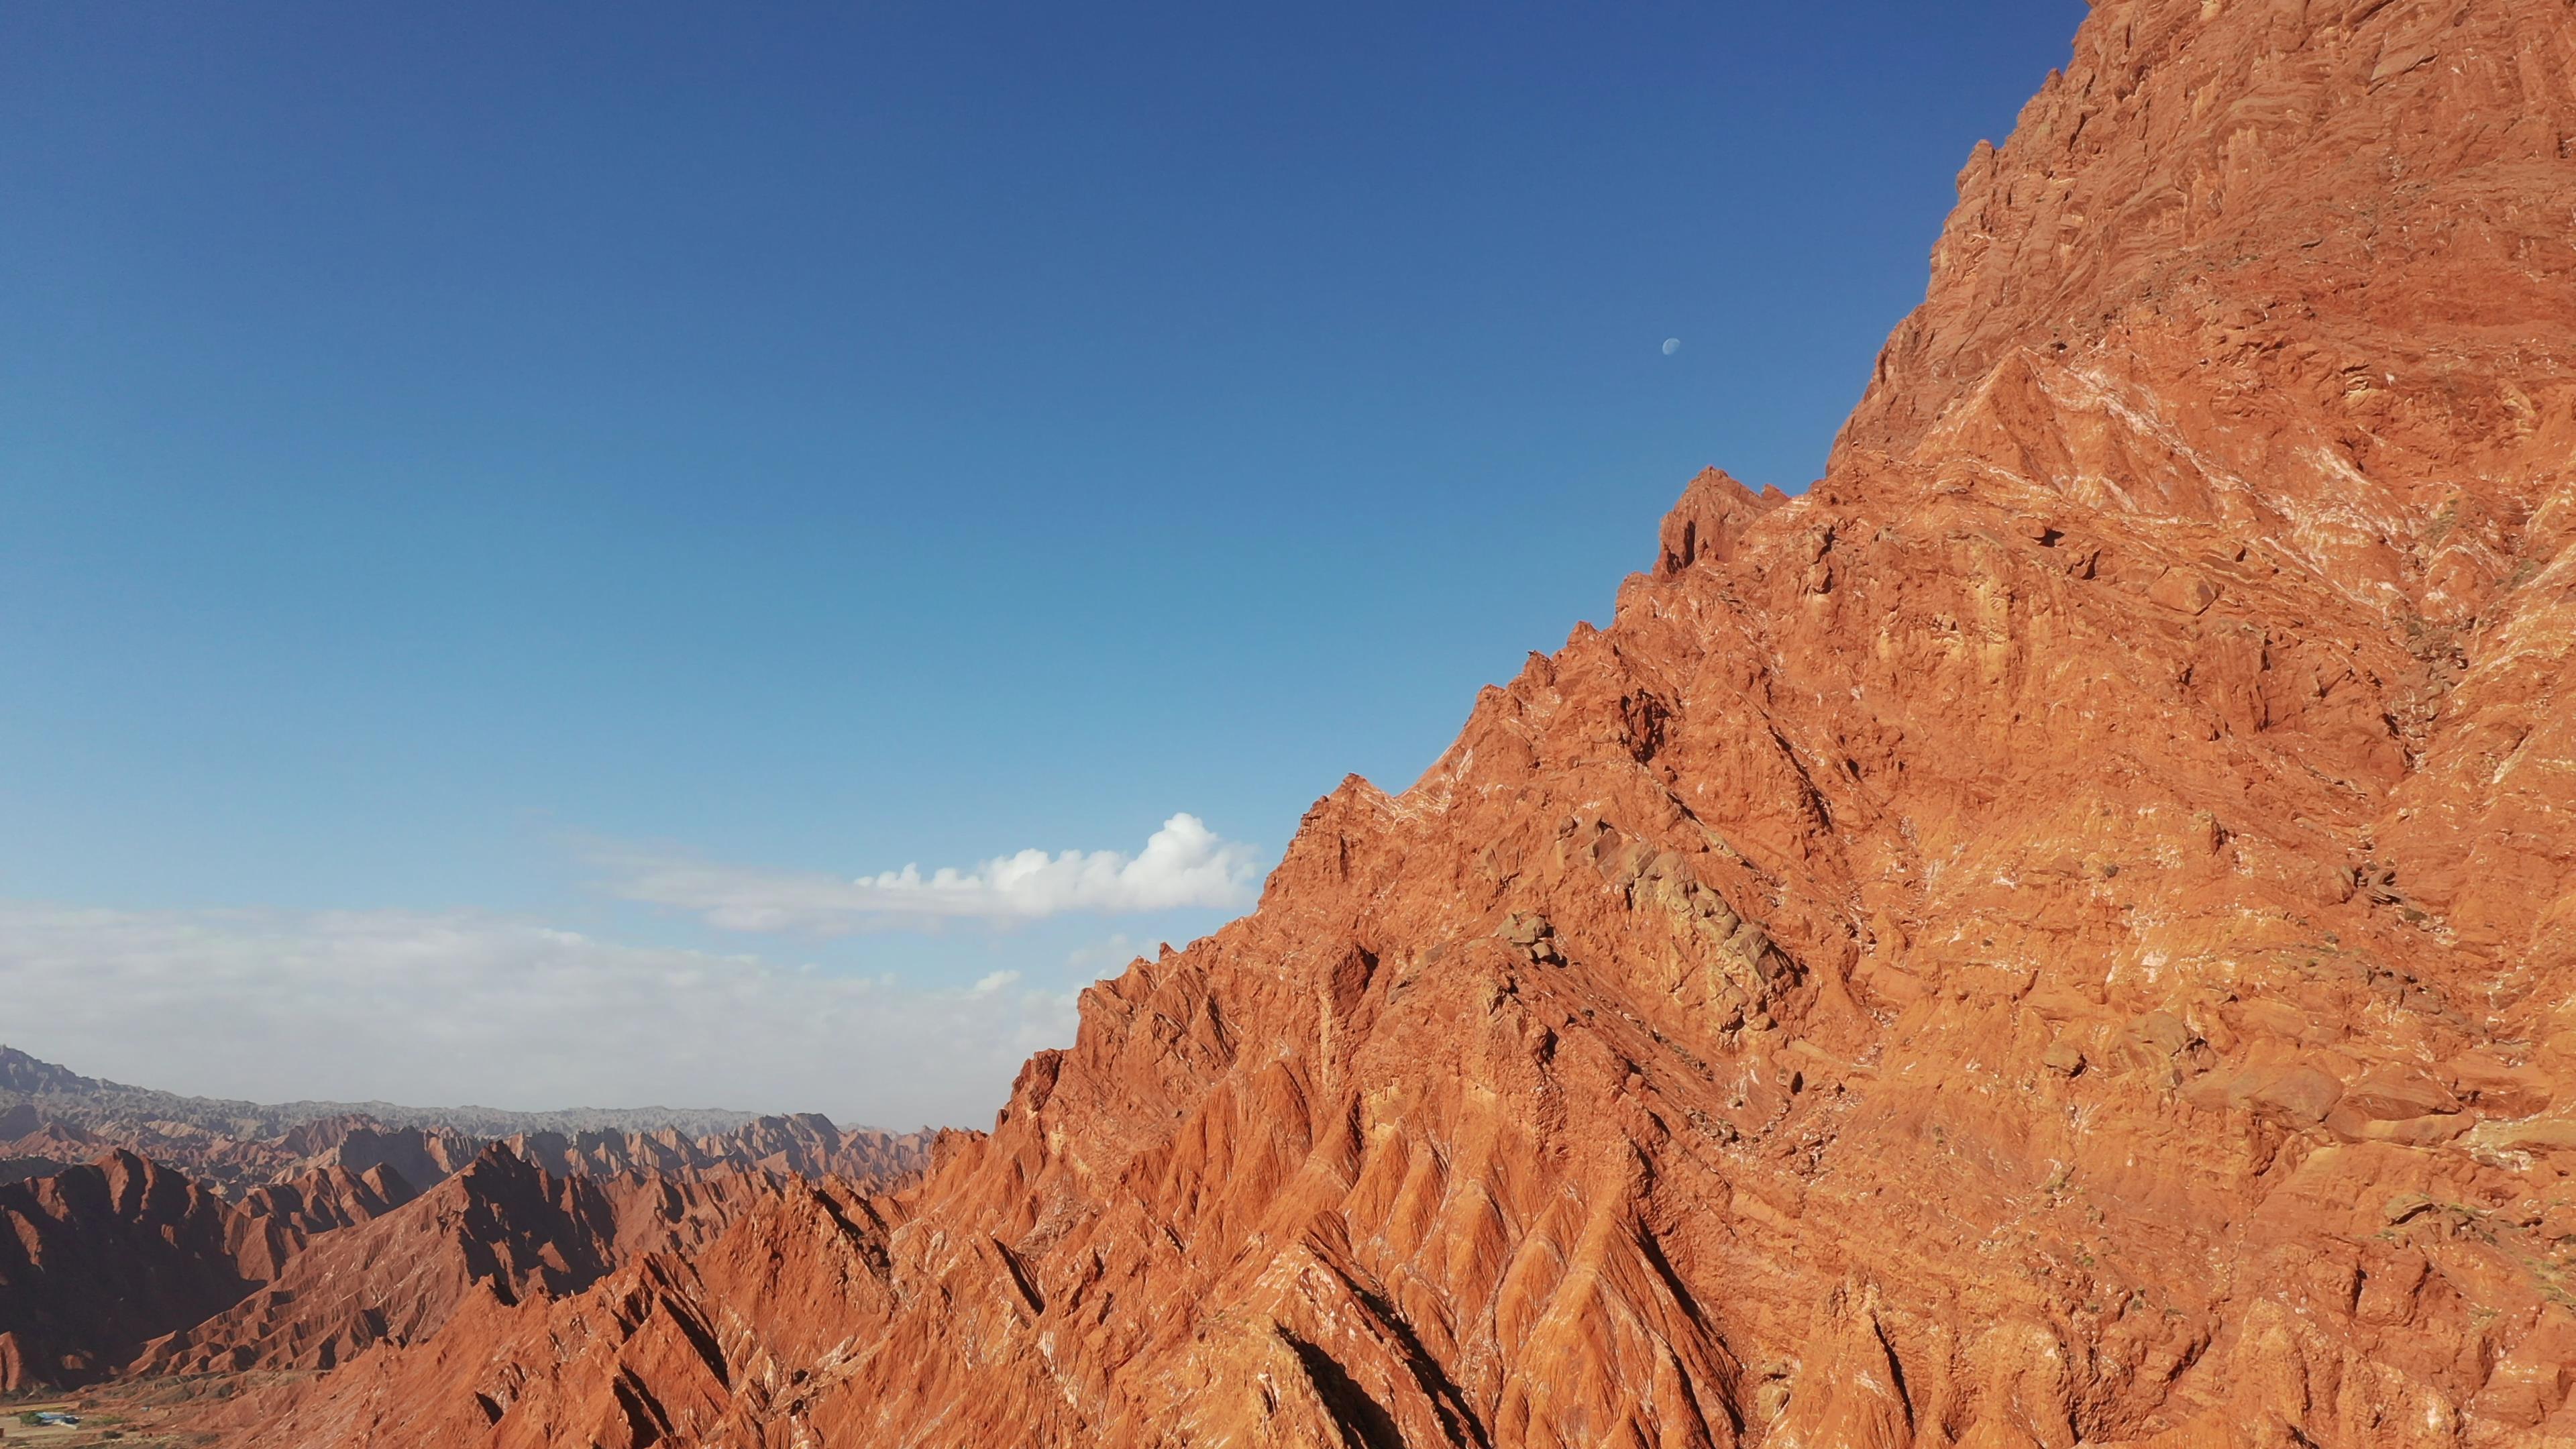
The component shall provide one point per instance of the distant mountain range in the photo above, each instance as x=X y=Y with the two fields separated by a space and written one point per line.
x=141 y=1231
x=63 y=1095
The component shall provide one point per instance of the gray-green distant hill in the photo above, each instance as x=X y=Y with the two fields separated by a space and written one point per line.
x=62 y=1095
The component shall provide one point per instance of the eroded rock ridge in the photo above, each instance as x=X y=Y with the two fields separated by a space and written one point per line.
x=2063 y=934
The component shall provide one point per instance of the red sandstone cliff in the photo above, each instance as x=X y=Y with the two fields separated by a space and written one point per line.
x=734 y=1331
x=2064 y=934
x=95 y=1260
x=98 y=1260
x=501 y=1229
x=125 y=1267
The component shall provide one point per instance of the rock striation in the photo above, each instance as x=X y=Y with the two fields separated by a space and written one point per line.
x=125 y=1267
x=502 y=1229
x=2063 y=934
x=106 y=1259
x=730 y=1338
x=96 y=1260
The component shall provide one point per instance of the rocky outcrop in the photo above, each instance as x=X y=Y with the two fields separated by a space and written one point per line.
x=733 y=1340
x=274 y=1223
x=127 y=1267
x=501 y=1229
x=420 y=1156
x=236 y=1166
x=100 y=1260
x=2063 y=934
x=30 y=1146
x=96 y=1260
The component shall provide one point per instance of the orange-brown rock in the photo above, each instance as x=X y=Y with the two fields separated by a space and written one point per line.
x=32 y=1146
x=235 y=1166
x=728 y=1340
x=2063 y=934
x=100 y=1260
x=128 y=1267
x=274 y=1223
x=96 y=1260
x=421 y=1156
x=501 y=1229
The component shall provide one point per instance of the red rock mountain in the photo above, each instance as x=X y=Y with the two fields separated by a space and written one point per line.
x=233 y=1166
x=31 y=1146
x=502 y=1229
x=736 y=1332
x=125 y=1267
x=130 y=1266
x=2063 y=934
x=807 y=1144
x=35 y=1145
x=97 y=1260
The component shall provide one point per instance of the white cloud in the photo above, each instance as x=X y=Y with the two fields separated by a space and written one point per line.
x=1184 y=864
x=443 y=1009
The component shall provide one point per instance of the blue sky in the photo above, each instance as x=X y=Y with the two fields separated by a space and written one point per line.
x=502 y=470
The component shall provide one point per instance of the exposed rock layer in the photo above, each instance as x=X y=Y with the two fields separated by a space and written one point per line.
x=127 y=1267
x=96 y=1260
x=2063 y=934
x=502 y=1229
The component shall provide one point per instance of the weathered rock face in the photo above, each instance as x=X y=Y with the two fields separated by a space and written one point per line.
x=95 y=1260
x=722 y=1338
x=2064 y=934
x=276 y=1222
x=103 y=1259
x=501 y=1229
x=126 y=1267
x=31 y=1146
x=420 y=1156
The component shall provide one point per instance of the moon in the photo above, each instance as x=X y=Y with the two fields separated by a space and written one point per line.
x=1672 y=345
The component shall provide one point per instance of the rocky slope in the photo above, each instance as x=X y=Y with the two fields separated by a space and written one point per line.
x=736 y=1331
x=125 y=1267
x=235 y=1166
x=137 y=1264
x=102 y=1260
x=502 y=1229
x=97 y=1260
x=31 y=1146
x=2064 y=934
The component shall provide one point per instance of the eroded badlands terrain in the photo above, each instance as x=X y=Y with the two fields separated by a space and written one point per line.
x=2063 y=933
